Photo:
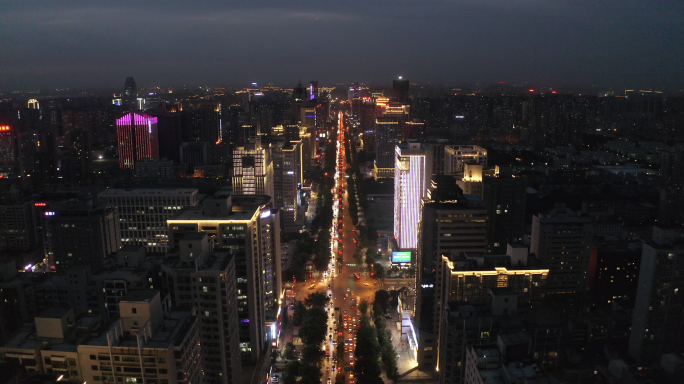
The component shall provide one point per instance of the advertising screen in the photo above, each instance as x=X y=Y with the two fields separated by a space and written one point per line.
x=401 y=257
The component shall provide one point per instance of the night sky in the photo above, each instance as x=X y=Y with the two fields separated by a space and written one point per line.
x=78 y=44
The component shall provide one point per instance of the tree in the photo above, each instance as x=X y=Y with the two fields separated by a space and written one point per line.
x=299 y=314
x=378 y=271
x=310 y=374
x=290 y=350
x=312 y=354
x=382 y=299
x=314 y=327
x=339 y=378
x=291 y=372
x=367 y=368
x=363 y=307
x=317 y=299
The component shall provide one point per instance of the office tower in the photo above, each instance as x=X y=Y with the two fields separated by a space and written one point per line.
x=389 y=131
x=308 y=148
x=18 y=223
x=169 y=133
x=252 y=169
x=412 y=174
x=276 y=153
x=313 y=89
x=657 y=326
x=561 y=240
x=195 y=267
x=82 y=234
x=614 y=278
x=299 y=92
x=155 y=169
x=17 y=299
x=672 y=165
x=143 y=213
x=505 y=197
x=137 y=137
x=292 y=180
x=145 y=340
x=471 y=183
x=456 y=156
x=249 y=227
x=357 y=92
x=8 y=150
x=307 y=117
x=400 y=91
x=130 y=94
x=449 y=221
x=291 y=132
x=201 y=124
x=194 y=153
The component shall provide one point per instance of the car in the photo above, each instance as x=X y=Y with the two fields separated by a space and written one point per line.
x=329 y=381
x=364 y=284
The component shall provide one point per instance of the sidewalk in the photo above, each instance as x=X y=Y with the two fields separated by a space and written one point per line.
x=406 y=360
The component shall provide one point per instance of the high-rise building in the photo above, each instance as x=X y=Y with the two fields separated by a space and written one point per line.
x=561 y=241
x=456 y=156
x=8 y=150
x=250 y=227
x=449 y=221
x=18 y=224
x=292 y=180
x=143 y=213
x=82 y=234
x=155 y=169
x=390 y=129
x=505 y=197
x=657 y=326
x=130 y=94
x=145 y=340
x=412 y=174
x=195 y=267
x=137 y=137
x=252 y=169
x=471 y=183
x=400 y=90
x=194 y=153
x=313 y=89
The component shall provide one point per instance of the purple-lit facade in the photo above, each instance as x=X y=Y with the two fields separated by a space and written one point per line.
x=137 y=137
x=412 y=172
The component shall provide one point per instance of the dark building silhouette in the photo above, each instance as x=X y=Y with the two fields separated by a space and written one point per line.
x=400 y=91
x=130 y=95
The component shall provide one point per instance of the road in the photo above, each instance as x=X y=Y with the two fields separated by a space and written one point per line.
x=342 y=286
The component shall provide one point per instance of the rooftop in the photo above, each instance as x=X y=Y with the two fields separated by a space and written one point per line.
x=140 y=295
x=54 y=313
x=148 y=191
x=170 y=334
x=197 y=213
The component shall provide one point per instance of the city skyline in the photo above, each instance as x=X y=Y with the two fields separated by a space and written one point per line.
x=84 y=45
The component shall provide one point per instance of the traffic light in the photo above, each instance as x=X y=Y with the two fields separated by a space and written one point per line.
x=372 y=274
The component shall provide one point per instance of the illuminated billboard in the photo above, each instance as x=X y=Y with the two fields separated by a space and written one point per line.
x=401 y=257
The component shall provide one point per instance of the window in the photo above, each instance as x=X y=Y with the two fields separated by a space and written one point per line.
x=134 y=310
x=93 y=357
x=94 y=367
x=163 y=371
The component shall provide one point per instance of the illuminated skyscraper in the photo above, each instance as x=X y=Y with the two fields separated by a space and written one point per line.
x=313 y=89
x=456 y=156
x=412 y=174
x=252 y=169
x=137 y=136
